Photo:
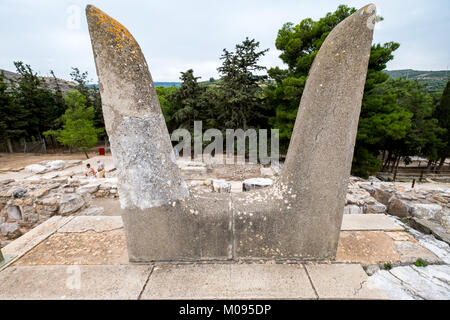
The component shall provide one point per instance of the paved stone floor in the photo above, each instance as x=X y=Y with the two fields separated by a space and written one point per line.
x=86 y=258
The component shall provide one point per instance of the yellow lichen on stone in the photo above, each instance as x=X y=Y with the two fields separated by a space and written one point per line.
x=121 y=34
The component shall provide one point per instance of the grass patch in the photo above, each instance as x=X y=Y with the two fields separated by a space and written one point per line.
x=420 y=263
x=388 y=266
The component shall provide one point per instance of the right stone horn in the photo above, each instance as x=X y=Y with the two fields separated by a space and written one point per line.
x=301 y=215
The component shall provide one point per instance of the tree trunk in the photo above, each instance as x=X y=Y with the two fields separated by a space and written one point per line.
x=9 y=145
x=86 y=154
x=394 y=163
x=387 y=161
x=441 y=164
x=398 y=163
x=429 y=166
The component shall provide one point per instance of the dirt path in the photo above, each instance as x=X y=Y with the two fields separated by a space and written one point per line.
x=111 y=206
x=19 y=160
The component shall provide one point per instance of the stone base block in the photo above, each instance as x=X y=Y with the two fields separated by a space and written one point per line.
x=227 y=227
x=181 y=231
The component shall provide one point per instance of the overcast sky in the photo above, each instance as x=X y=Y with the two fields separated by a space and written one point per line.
x=178 y=35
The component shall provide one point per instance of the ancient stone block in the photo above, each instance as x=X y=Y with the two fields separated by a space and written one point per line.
x=194 y=229
x=70 y=203
x=256 y=183
x=398 y=208
x=14 y=213
x=425 y=211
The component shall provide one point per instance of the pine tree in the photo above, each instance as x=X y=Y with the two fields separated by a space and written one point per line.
x=442 y=113
x=13 y=117
x=240 y=96
x=78 y=130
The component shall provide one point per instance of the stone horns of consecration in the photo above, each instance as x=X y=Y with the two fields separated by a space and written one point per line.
x=140 y=143
x=299 y=217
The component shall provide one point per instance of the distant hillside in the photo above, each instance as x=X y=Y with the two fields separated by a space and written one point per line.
x=157 y=84
x=435 y=80
x=167 y=84
x=50 y=81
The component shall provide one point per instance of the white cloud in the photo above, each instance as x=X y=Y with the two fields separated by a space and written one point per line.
x=178 y=35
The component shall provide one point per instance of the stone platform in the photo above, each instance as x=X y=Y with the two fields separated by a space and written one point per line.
x=86 y=258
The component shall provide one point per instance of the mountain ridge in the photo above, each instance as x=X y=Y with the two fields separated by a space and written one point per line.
x=434 y=81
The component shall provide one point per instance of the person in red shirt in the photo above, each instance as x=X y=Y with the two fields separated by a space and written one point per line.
x=90 y=172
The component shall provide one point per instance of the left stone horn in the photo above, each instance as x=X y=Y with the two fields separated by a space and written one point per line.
x=140 y=143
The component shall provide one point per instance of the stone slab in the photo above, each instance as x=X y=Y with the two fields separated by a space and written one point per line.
x=229 y=281
x=79 y=248
x=369 y=222
x=366 y=248
x=414 y=283
x=410 y=251
x=32 y=238
x=93 y=223
x=440 y=248
x=236 y=186
x=431 y=227
x=4 y=260
x=342 y=281
x=73 y=282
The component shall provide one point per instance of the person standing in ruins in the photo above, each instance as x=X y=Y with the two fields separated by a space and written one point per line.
x=101 y=169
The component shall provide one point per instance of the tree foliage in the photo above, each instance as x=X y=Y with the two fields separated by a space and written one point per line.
x=239 y=96
x=442 y=114
x=78 y=130
x=91 y=93
x=13 y=116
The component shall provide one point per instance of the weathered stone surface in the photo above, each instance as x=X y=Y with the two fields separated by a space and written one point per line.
x=372 y=269
x=79 y=248
x=30 y=239
x=225 y=281
x=70 y=203
x=36 y=168
x=445 y=222
x=97 y=224
x=375 y=208
x=221 y=186
x=299 y=217
x=430 y=227
x=14 y=213
x=425 y=211
x=383 y=196
x=414 y=283
x=411 y=251
x=364 y=222
x=353 y=209
x=89 y=188
x=440 y=248
x=61 y=282
x=194 y=229
x=366 y=248
x=92 y=211
x=10 y=230
x=399 y=208
x=342 y=281
x=16 y=192
x=56 y=165
x=140 y=143
x=256 y=183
